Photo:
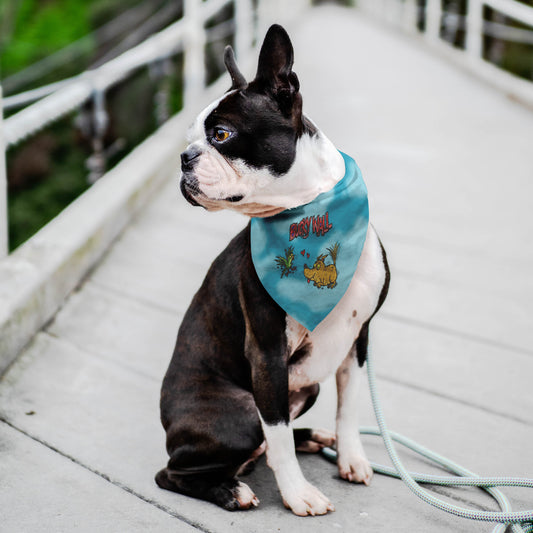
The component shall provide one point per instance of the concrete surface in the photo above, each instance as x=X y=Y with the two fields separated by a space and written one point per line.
x=36 y=278
x=448 y=165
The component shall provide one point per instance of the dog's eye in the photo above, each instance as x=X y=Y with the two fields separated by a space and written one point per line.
x=221 y=135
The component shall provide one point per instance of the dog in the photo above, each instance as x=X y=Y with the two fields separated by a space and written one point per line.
x=243 y=368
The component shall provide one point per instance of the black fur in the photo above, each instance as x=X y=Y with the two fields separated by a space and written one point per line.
x=225 y=366
x=264 y=116
x=261 y=135
x=228 y=363
x=231 y=360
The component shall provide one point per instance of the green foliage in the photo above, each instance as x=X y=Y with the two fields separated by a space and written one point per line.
x=48 y=171
x=31 y=206
x=36 y=29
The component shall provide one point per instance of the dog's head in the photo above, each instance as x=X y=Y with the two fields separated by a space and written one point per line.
x=253 y=150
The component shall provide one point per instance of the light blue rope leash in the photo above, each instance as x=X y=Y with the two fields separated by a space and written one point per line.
x=521 y=521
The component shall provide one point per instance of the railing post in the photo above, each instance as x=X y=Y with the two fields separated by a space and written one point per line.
x=410 y=16
x=474 y=29
x=3 y=187
x=243 y=28
x=194 y=61
x=97 y=161
x=433 y=19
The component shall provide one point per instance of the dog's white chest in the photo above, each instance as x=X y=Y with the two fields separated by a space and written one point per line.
x=322 y=350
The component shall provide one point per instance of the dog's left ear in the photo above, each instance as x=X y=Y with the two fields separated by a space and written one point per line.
x=274 y=71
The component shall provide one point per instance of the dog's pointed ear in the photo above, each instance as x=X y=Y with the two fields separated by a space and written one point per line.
x=238 y=81
x=274 y=70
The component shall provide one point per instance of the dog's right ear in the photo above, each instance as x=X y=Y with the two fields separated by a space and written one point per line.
x=237 y=79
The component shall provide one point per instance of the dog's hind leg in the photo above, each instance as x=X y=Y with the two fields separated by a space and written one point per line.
x=312 y=440
x=209 y=438
x=230 y=494
x=208 y=471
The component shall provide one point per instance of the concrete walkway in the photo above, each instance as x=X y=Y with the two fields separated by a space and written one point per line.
x=449 y=167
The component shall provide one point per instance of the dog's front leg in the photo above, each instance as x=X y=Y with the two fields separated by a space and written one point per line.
x=297 y=493
x=268 y=356
x=351 y=459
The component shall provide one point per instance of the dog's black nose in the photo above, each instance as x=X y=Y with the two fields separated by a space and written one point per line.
x=188 y=158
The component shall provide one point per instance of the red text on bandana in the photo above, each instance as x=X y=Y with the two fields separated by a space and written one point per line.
x=318 y=224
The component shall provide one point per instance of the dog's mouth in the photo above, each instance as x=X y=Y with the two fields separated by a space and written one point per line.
x=190 y=189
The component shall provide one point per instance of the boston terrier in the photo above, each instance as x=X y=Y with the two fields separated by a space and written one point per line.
x=243 y=367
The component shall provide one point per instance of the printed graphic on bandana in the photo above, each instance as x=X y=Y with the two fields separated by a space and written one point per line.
x=285 y=263
x=306 y=257
x=323 y=275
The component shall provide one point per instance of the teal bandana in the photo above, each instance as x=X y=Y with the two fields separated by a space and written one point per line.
x=306 y=257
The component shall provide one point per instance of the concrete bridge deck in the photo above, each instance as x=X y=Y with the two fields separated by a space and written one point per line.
x=449 y=167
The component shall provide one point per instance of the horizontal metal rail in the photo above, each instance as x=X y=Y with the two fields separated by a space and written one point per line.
x=406 y=14
x=79 y=89
x=59 y=99
x=188 y=35
x=513 y=9
x=64 y=100
x=124 y=22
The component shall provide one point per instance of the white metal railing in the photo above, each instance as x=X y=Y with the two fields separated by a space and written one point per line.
x=405 y=14
x=3 y=189
x=187 y=35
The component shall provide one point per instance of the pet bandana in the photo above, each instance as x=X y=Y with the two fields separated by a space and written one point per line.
x=306 y=257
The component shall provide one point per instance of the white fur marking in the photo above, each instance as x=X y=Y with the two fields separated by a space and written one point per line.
x=351 y=459
x=333 y=338
x=196 y=131
x=330 y=343
x=245 y=496
x=317 y=167
x=297 y=493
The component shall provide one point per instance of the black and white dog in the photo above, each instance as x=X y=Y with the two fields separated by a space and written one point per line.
x=242 y=368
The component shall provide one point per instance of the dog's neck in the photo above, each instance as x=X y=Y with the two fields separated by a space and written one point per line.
x=317 y=168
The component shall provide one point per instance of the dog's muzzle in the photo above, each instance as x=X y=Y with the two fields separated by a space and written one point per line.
x=189 y=158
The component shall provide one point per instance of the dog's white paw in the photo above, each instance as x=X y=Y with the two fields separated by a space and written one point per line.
x=245 y=496
x=306 y=500
x=355 y=467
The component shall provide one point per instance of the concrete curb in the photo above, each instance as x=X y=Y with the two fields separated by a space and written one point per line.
x=37 y=277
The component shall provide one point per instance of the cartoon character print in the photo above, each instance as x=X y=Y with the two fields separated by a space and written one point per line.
x=286 y=263
x=323 y=275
